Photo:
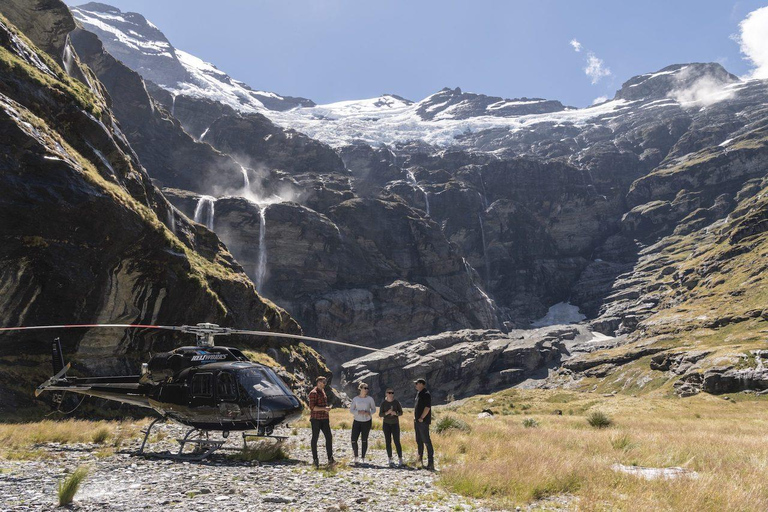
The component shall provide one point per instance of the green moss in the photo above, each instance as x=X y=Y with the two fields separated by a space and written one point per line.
x=63 y=83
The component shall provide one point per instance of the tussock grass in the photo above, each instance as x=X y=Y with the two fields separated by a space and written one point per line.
x=263 y=451
x=69 y=486
x=447 y=423
x=511 y=465
x=599 y=419
x=530 y=423
x=17 y=440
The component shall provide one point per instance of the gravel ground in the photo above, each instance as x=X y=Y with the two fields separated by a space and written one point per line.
x=124 y=482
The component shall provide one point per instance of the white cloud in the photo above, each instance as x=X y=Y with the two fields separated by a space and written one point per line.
x=576 y=45
x=753 y=41
x=596 y=68
x=600 y=99
x=703 y=92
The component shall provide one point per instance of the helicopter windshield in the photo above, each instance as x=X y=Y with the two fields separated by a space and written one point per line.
x=259 y=382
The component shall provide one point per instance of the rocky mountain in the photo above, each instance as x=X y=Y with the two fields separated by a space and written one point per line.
x=141 y=46
x=386 y=220
x=86 y=236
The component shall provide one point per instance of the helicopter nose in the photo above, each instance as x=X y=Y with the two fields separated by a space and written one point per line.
x=293 y=416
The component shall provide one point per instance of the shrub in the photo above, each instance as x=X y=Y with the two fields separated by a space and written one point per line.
x=101 y=435
x=530 y=423
x=451 y=423
x=599 y=419
x=622 y=442
x=69 y=486
x=263 y=452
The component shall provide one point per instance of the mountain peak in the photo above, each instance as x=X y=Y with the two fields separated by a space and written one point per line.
x=677 y=77
x=456 y=104
x=99 y=7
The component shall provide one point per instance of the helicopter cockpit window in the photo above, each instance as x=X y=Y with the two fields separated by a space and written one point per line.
x=226 y=389
x=202 y=384
x=258 y=383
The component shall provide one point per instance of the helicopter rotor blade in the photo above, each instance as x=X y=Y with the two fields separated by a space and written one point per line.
x=89 y=326
x=216 y=331
x=309 y=338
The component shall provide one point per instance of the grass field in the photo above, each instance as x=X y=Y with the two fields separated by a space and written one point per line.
x=722 y=441
x=539 y=444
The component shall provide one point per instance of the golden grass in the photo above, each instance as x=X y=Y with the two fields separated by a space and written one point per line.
x=500 y=459
x=69 y=486
x=18 y=440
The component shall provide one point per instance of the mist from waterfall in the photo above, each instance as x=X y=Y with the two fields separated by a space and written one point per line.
x=204 y=211
x=415 y=183
x=205 y=132
x=173 y=106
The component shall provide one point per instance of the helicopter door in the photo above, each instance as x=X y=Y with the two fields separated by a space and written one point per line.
x=202 y=390
x=226 y=396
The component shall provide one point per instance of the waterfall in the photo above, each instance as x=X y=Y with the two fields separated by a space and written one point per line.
x=200 y=210
x=488 y=299
x=204 y=133
x=415 y=183
x=261 y=269
x=485 y=251
x=171 y=219
x=485 y=195
x=173 y=107
x=68 y=59
x=246 y=181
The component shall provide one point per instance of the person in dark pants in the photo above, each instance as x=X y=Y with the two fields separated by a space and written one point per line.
x=320 y=421
x=422 y=413
x=362 y=409
x=390 y=411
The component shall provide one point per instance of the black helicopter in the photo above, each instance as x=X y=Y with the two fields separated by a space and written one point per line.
x=205 y=387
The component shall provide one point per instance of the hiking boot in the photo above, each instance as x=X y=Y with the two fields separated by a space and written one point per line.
x=391 y=462
x=356 y=461
x=316 y=463
x=431 y=466
x=402 y=464
x=331 y=462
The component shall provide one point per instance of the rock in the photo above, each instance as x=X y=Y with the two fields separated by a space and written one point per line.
x=462 y=363
x=277 y=498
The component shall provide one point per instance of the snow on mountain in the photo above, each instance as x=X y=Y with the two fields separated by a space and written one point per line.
x=384 y=120
x=144 y=48
x=443 y=119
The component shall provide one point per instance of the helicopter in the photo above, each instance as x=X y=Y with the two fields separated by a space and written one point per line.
x=204 y=387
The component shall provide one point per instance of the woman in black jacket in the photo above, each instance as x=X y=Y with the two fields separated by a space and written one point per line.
x=390 y=411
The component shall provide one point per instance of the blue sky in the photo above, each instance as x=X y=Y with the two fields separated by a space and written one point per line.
x=331 y=50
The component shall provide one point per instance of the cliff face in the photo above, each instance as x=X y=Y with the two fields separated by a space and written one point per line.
x=86 y=236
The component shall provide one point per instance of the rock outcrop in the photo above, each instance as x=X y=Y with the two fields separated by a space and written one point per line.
x=468 y=362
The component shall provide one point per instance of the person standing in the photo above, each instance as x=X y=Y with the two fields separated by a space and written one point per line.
x=390 y=411
x=422 y=413
x=362 y=409
x=320 y=420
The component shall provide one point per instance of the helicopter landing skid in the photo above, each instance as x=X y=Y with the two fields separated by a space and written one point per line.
x=204 y=447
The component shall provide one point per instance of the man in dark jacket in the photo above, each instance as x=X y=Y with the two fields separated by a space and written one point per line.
x=422 y=417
